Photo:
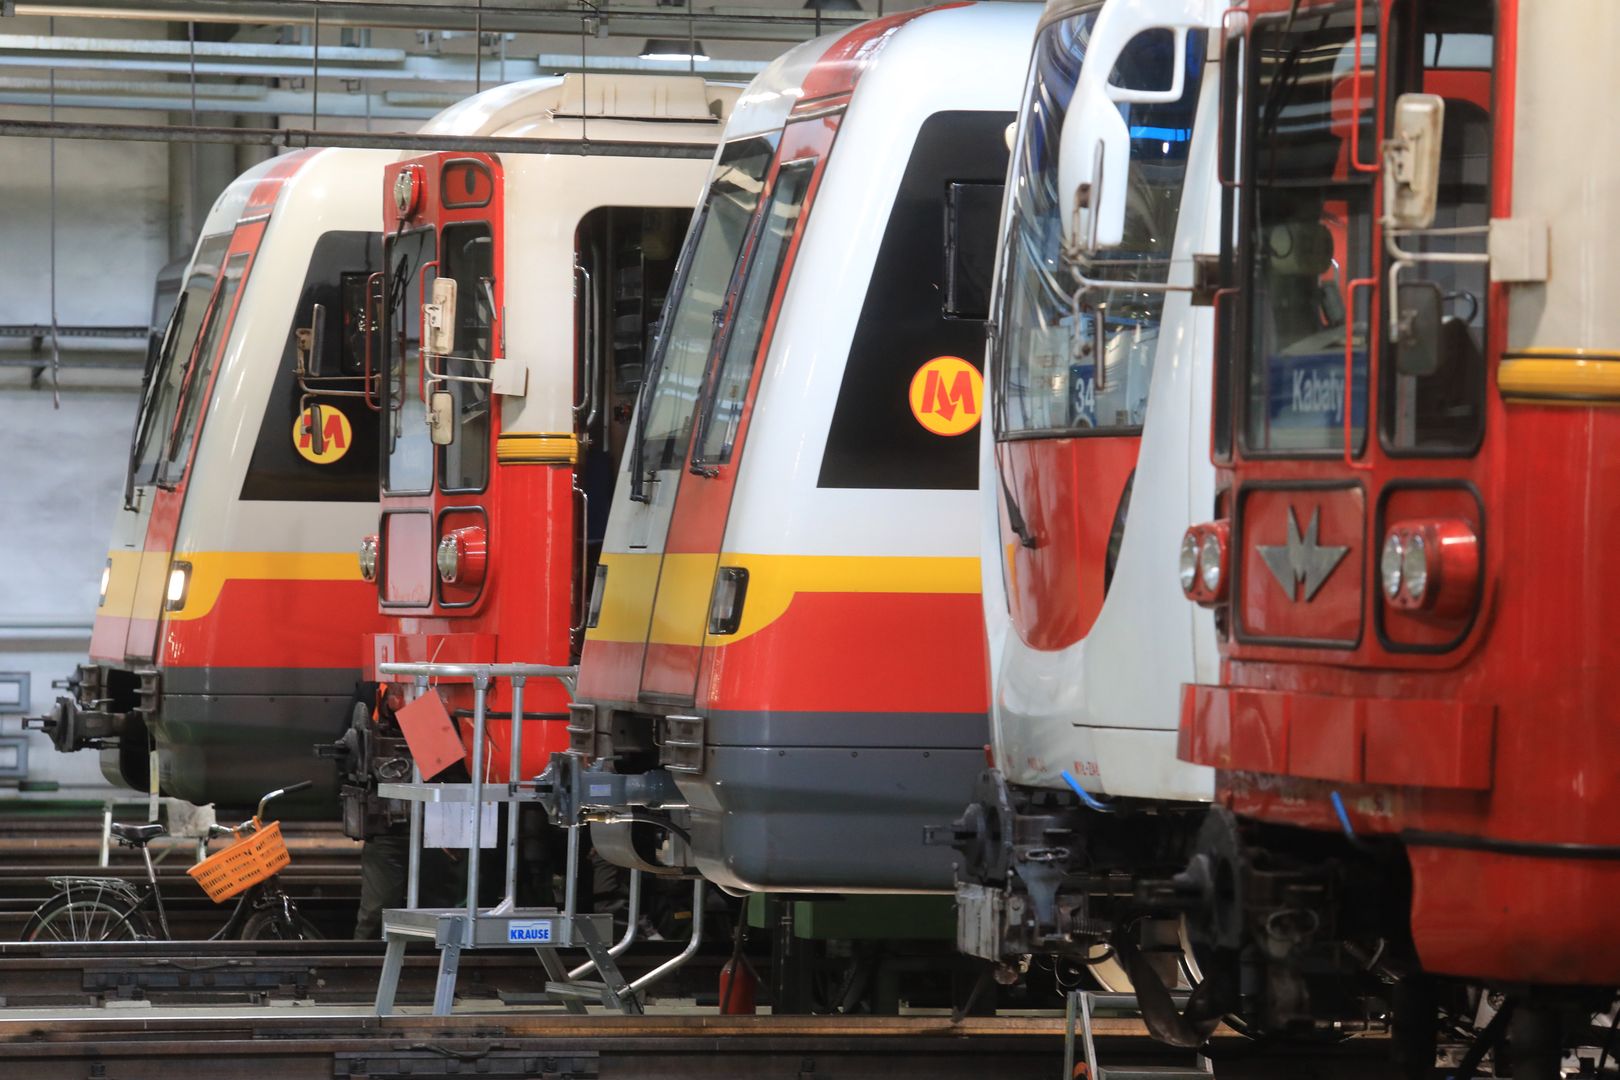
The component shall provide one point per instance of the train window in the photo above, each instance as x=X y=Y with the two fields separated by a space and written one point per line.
x=874 y=440
x=339 y=265
x=972 y=218
x=729 y=389
x=1307 y=234
x=162 y=389
x=410 y=258
x=466 y=183
x=468 y=255
x=1435 y=403
x=700 y=293
x=196 y=383
x=1046 y=356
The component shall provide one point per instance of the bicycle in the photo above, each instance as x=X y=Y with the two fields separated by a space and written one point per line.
x=112 y=909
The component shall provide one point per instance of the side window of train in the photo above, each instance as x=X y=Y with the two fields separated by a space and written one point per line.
x=467 y=254
x=1433 y=395
x=728 y=388
x=281 y=469
x=687 y=334
x=921 y=304
x=196 y=382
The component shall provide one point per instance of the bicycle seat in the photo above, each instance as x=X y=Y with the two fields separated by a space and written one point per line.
x=137 y=835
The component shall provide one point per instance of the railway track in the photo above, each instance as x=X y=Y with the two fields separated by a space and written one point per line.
x=674 y=1047
x=39 y=976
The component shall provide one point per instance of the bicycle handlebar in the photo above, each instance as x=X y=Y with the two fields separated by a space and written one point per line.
x=278 y=793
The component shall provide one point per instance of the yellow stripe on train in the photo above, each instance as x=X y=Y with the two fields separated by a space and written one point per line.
x=686 y=582
x=210 y=570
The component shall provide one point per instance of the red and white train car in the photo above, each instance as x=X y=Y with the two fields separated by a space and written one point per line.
x=1414 y=429
x=224 y=642
x=785 y=636
x=537 y=280
x=1095 y=459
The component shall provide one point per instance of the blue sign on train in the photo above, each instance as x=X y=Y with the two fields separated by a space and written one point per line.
x=1305 y=399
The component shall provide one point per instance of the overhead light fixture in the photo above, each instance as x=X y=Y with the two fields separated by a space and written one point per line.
x=672 y=50
x=832 y=5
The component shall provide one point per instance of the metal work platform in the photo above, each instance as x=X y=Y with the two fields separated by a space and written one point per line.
x=506 y=925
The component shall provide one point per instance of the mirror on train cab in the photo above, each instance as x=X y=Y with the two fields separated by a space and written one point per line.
x=441 y=417
x=439 y=318
x=1417 y=327
x=1128 y=63
x=1094 y=155
x=310 y=345
x=1412 y=161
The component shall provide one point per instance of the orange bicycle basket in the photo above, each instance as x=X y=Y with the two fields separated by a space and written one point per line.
x=246 y=862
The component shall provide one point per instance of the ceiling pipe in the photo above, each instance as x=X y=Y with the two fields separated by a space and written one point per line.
x=733 y=24
x=300 y=138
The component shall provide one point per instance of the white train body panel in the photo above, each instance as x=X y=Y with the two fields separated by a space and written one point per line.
x=1107 y=707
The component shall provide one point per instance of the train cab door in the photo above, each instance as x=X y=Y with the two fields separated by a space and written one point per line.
x=625 y=266
x=442 y=318
x=693 y=595
x=182 y=388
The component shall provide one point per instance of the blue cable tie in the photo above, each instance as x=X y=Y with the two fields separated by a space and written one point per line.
x=1344 y=815
x=1085 y=796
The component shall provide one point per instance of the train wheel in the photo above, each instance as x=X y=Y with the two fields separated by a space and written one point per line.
x=86 y=915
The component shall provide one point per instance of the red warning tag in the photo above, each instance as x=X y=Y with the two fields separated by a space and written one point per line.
x=430 y=734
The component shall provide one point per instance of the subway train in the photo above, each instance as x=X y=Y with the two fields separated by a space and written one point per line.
x=537 y=280
x=225 y=642
x=784 y=639
x=1413 y=407
x=1095 y=458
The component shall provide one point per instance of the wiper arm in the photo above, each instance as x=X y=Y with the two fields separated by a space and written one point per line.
x=1015 y=516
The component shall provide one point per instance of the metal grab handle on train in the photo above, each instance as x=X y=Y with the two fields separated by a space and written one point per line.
x=588 y=369
x=585 y=584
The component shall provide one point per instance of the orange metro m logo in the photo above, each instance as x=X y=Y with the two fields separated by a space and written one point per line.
x=947 y=395
x=336 y=434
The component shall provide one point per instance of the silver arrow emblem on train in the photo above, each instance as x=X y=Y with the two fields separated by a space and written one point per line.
x=1302 y=561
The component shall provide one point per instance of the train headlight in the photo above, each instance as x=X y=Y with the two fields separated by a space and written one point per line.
x=407 y=190
x=1210 y=560
x=179 y=584
x=726 y=604
x=1202 y=563
x=460 y=556
x=1415 y=568
x=1389 y=565
x=1432 y=567
x=368 y=558
x=1189 y=561
x=106 y=579
x=449 y=559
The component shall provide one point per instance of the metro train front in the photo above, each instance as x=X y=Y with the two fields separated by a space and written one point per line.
x=783 y=676
x=1098 y=374
x=225 y=640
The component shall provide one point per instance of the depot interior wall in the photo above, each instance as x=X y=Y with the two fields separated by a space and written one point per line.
x=122 y=211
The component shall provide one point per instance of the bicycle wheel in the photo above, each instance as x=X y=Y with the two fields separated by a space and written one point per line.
x=86 y=914
x=269 y=925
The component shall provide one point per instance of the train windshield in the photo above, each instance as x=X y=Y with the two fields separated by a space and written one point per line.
x=1050 y=383
x=173 y=381
x=699 y=303
x=1308 y=234
x=406 y=440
